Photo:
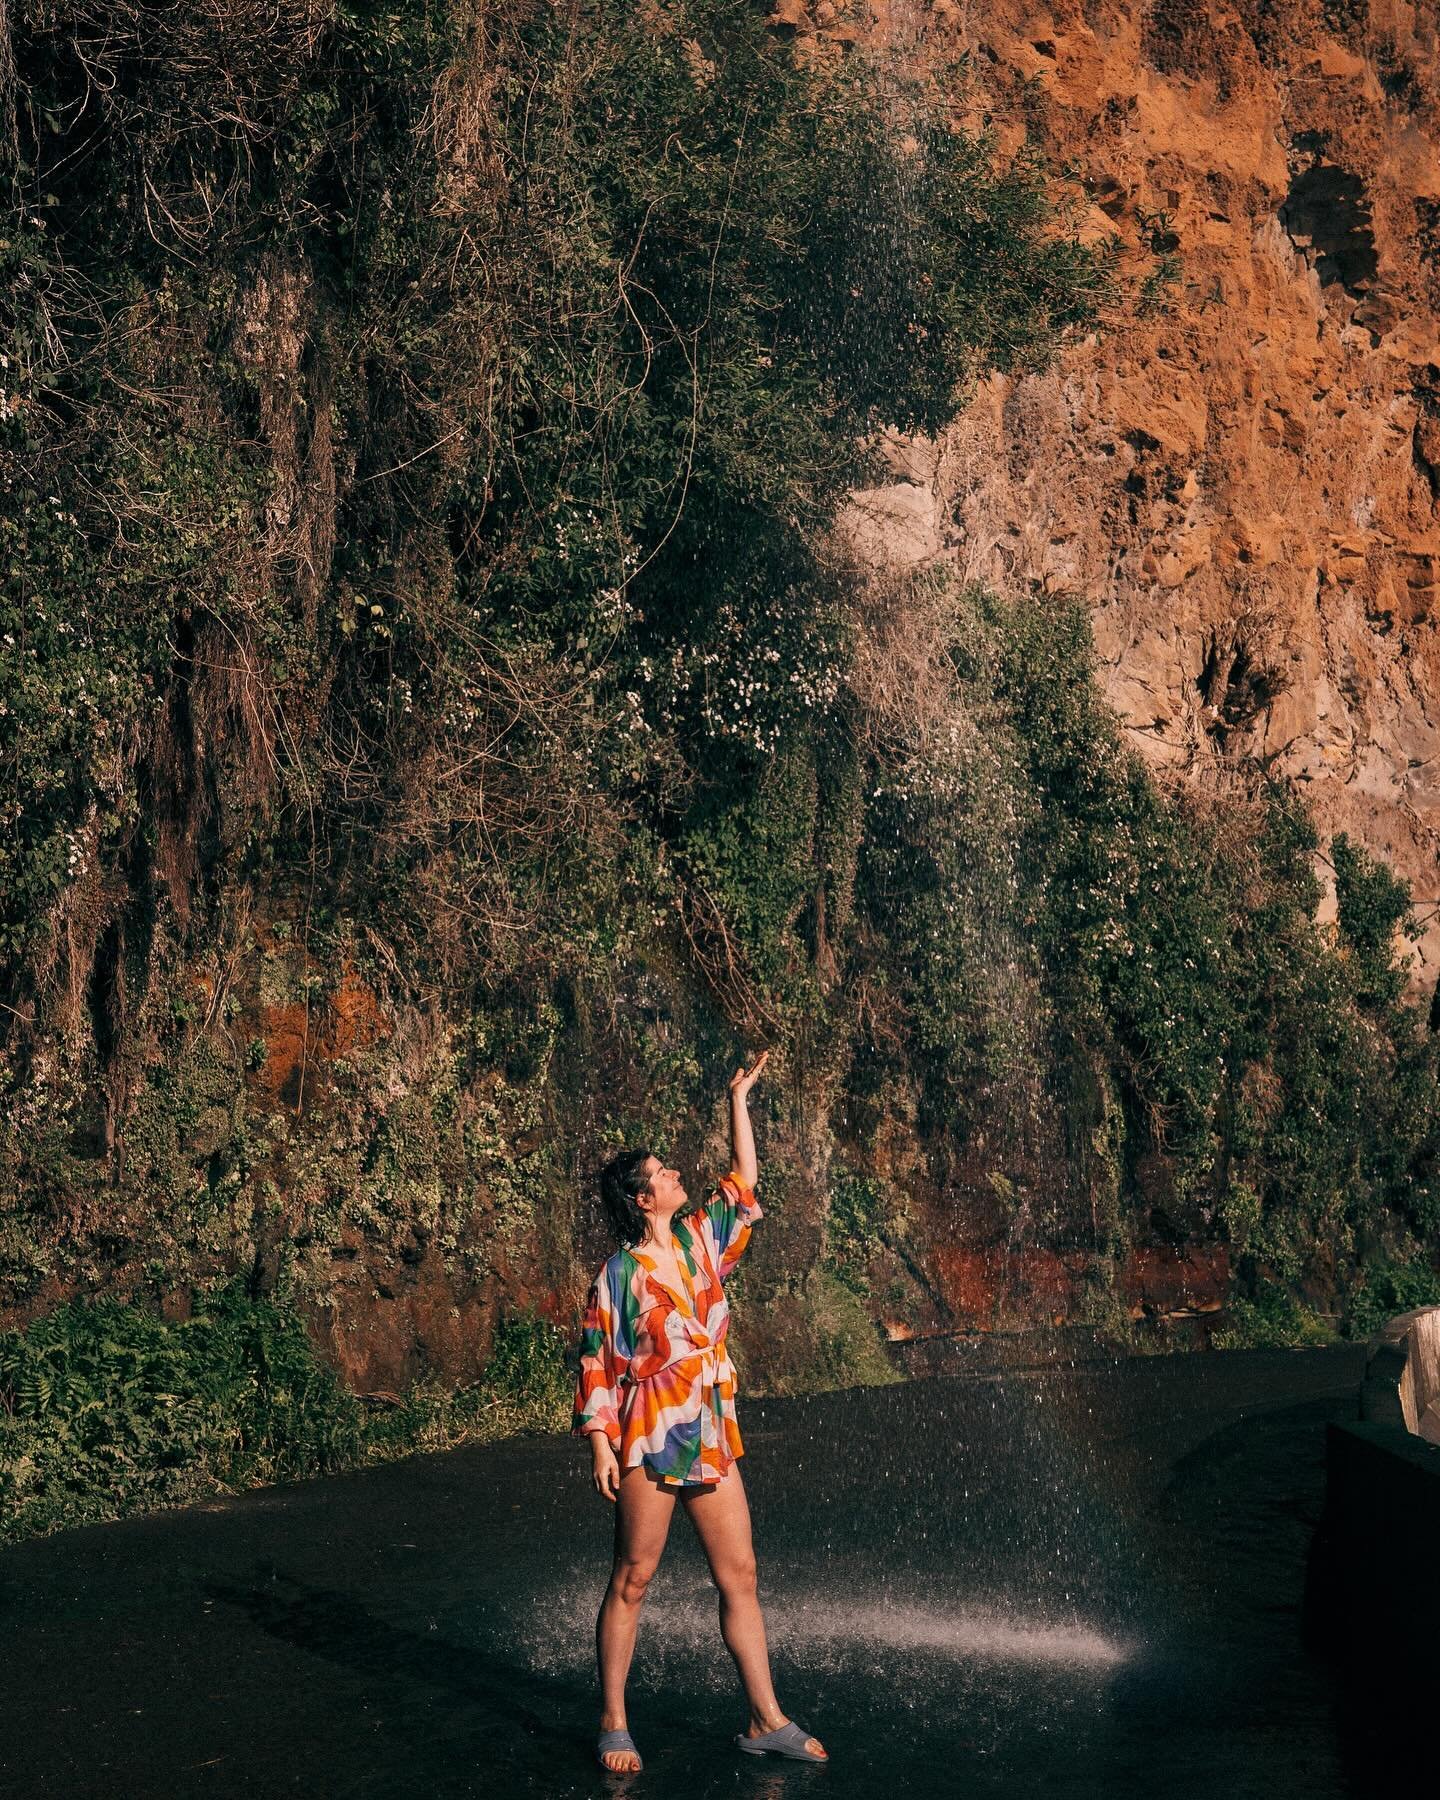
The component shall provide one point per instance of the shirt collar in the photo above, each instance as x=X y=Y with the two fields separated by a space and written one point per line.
x=684 y=1300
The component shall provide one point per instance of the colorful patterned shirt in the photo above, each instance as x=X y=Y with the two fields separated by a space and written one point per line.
x=653 y=1367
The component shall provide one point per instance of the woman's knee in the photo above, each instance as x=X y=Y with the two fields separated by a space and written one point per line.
x=630 y=1578
x=736 y=1575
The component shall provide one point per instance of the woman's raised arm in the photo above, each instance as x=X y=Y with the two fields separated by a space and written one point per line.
x=742 y=1138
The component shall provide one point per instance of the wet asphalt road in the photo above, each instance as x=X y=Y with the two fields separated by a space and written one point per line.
x=1076 y=1583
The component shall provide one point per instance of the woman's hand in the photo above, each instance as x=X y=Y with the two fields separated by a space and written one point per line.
x=604 y=1467
x=744 y=1079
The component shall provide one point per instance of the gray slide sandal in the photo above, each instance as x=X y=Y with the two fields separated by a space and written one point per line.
x=789 y=1740
x=617 y=1740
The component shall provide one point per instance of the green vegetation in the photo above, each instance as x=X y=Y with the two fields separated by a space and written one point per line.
x=108 y=1409
x=1389 y=1289
x=1273 y=1320
x=451 y=411
x=855 y=1226
x=1275 y=1084
x=479 y=440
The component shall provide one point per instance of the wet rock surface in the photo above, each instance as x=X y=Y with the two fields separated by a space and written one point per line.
x=1073 y=1581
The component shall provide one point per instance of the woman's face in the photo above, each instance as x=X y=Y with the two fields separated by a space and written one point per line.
x=666 y=1193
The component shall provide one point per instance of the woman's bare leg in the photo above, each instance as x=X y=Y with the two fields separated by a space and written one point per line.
x=721 y=1517
x=642 y=1522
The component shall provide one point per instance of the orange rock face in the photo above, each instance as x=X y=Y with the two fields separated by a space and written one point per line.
x=1242 y=480
x=300 y=1043
x=983 y=1286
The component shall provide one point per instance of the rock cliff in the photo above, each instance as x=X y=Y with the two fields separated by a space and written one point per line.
x=1242 y=476
x=292 y=1011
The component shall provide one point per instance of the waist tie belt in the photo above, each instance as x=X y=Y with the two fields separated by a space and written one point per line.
x=714 y=1367
x=714 y=1363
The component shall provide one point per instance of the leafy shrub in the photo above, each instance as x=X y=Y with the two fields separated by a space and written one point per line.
x=819 y=1337
x=105 y=1408
x=1273 y=1320
x=108 y=1409
x=854 y=1227
x=1184 y=942
x=497 y=380
x=1372 y=908
x=1387 y=1289
x=421 y=435
x=527 y=1366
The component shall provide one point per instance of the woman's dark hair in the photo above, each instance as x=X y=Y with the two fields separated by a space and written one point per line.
x=622 y=1181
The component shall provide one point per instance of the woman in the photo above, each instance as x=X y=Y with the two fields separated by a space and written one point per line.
x=656 y=1398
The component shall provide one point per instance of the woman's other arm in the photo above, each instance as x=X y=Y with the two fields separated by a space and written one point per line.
x=603 y=1362
x=604 y=1465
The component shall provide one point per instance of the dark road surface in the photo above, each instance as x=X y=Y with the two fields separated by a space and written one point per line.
x=1080 y=1583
